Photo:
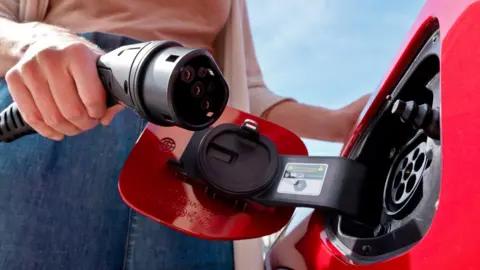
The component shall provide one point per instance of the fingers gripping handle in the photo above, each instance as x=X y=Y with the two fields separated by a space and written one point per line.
x=13 y=126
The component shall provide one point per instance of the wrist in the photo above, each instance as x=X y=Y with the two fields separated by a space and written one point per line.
x=311 y=122
x=23 y=35
x=41 y=35
x=346 y=120
x=16 y=38
x=273 y=113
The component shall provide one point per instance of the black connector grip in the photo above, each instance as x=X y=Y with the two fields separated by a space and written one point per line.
x=12 y=125
x=106 y=78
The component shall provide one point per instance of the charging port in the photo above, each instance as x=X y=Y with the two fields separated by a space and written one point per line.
x=400 y=194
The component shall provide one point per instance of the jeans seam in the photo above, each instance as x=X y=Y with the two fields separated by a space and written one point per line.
x=127 y=253
x=141 y=126
x=131 y=216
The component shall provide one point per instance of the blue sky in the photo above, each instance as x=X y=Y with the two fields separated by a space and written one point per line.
x=328 y=52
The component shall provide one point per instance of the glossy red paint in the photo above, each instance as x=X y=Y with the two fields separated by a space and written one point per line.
x=451 y=242
x=150 y=187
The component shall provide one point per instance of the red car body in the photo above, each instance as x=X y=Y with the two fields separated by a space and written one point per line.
x=432 y=227
x=452 y=235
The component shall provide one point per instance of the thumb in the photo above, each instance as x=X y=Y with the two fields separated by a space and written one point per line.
x=111 y=112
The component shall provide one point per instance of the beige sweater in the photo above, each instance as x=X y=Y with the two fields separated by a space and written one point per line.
x=225 y=31
x=233 y=45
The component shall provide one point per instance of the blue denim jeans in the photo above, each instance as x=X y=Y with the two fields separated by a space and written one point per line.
x=60 y=208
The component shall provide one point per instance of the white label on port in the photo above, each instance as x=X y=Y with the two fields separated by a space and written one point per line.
x=303 y=179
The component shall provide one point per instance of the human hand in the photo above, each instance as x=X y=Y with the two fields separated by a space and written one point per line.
x=57 y=88
x=350 y=115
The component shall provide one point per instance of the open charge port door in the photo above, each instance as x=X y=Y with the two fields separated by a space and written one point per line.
x=403 y=153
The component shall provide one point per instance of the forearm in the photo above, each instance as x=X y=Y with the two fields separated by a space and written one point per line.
x=12 y=39
x=15 y=39
x=315 y=122
x=306 y=121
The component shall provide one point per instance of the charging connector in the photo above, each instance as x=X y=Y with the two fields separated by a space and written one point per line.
x=164 y=82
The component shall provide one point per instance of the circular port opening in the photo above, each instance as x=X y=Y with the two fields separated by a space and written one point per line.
x=419 y=162
x=410 y=184
x=199 y=95
x=415 y=153
x=408 y=173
